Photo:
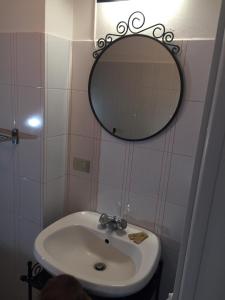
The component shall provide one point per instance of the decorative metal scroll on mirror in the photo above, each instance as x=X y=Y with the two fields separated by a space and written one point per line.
x=136 y=85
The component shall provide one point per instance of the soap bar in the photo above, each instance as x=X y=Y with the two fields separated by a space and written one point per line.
x=138 y=237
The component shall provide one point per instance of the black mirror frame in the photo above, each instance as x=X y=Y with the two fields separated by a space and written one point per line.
x=105 y=44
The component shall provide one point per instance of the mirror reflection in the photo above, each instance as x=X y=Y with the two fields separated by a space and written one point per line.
x=135 y=87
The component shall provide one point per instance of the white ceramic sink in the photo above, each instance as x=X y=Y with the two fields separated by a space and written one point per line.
x=74 y=244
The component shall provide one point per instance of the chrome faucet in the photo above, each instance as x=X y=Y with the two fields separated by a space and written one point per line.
x=113 y=222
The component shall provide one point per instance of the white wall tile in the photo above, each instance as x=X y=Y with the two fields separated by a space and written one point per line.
x=62 y=10
x=79 y=194
x=30 y=200
x=82 y=120
x=30 y=158
x=5 y=58
x=7 y=261
x=29 y=59
x=155 y=143
x=30 y=110
x=187 y=128
x=83 y=14
x=169 y=135
x=7 y=264
x=166 y=164
x=82 y=147
x=196 y=69
x=7 y=109
x=146 y=171
x=7 y=151
x=173 y=224
x=56 y=156
x=7 y=237
x=180 y=180
x=111 y=164
x=109 y=199
x=82 y=61
x=182 y=54
x=141 y=210
x=25 y=17
x=6 y=179
x=105 y=136
x=57 y=111
x=27 y=232
x=54 y=202
x=58 y=62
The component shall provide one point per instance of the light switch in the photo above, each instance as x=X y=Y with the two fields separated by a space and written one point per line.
x=81 y=165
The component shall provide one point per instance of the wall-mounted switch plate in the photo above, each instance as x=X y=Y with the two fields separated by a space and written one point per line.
x=81 y=165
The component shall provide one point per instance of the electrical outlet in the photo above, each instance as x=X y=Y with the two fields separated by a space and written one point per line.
x=81 y=165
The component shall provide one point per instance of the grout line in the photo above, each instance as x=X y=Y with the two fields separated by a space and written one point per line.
x=130 y=172
x=40 y=58
x=16 y=166
x=44 y=144
x=95 y=182
x=66 y=202
x=185 y=43
x=165 y=179
x=160 y=191
x=12 y=60
x=123 y=187
x=125 y=178
x=92 y=185
x=169 y=175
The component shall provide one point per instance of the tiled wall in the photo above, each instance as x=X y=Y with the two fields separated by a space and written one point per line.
x=57 y=96
x=84 y=132
x=22 y=99
x=34 y=97
x=22 y=16
x=147 y=182
x=59 y=18
x=33 y=173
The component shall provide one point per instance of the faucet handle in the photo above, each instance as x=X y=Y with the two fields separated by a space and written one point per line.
x=121 y=224
x=104 y=219
x=113 y=221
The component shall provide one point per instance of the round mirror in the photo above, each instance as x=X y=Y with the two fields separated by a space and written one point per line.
x=135 y=87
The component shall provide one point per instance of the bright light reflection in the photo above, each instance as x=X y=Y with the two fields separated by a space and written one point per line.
x=159 y=8
x=155 y=11
x=34 y=122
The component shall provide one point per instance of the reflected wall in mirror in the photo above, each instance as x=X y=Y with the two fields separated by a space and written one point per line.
x=135 y=87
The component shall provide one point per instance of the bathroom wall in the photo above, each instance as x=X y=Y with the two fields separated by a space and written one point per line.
x=187 y=18
x=59 y=18
x=21 y=99
x=84 y=130
x=25 y=16
x=146 y=182
x=34 y=97
x=58 y=45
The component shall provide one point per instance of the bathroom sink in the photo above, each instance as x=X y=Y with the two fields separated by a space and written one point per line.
x=106 y=262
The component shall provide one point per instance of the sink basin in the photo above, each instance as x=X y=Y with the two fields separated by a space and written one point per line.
x=106 y=263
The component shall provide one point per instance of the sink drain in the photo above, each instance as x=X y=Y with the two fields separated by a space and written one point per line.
x=100 y=266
